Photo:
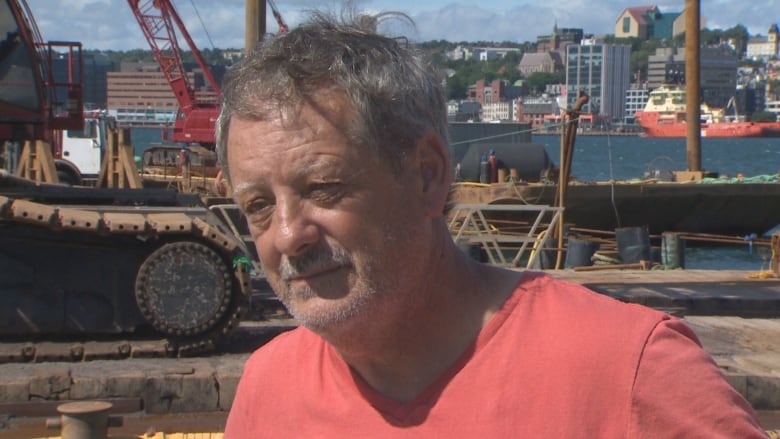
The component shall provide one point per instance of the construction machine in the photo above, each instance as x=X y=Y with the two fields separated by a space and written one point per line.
x=90 y=262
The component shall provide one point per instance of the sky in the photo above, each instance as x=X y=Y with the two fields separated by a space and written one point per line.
x=110 y=25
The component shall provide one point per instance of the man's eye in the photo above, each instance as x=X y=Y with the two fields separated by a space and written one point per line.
x=258 y=210
x=326 y=192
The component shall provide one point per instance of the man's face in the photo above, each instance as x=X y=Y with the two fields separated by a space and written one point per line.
x=332 y=224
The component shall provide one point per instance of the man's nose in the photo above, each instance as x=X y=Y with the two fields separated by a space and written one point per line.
x=293 y=229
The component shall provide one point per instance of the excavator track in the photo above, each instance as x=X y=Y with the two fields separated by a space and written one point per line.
x=86 y=276
x=270 y=315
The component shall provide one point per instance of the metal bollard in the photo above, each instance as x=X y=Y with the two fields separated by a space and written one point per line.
x=84 y=420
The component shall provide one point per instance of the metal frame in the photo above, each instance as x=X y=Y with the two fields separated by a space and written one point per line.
x=469 y=225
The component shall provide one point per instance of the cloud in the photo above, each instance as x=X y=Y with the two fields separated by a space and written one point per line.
x=109 y=24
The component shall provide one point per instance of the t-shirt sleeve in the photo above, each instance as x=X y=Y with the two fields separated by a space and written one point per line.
x=242 y=417
x=679 y=391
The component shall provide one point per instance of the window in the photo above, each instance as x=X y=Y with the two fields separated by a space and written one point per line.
x=626 y=24
x=89 y=131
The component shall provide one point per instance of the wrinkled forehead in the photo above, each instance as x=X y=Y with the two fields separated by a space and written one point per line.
x=332 y=106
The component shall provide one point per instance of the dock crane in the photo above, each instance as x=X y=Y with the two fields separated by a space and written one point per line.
x=283 y=28
x=197 y=113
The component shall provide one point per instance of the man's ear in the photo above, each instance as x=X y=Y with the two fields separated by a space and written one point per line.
x=435 y=173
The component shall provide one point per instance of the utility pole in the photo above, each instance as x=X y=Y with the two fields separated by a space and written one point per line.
x=255 y=23
x=692 y=86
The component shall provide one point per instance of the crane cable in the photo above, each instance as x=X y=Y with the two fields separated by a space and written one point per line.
x=208 y=36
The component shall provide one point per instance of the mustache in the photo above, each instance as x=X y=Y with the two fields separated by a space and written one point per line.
x=312 y=261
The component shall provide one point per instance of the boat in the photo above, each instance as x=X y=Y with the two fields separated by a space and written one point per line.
x=712 y=206
x=664 y=200
x=665 y=116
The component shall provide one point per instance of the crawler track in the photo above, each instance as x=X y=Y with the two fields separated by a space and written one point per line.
x=89 y=274
x=264 y=313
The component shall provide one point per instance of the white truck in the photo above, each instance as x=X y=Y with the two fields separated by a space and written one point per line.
x=79 y=155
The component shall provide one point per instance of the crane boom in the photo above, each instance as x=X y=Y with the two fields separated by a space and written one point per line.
x=283 y=28
x=197 y=114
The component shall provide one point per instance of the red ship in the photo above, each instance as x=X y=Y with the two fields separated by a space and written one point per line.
x=665 y=116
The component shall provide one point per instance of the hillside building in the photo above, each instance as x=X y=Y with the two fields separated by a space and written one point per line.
x=645 y=22
x=764 y=47
x=558 y=39
x=540 y=62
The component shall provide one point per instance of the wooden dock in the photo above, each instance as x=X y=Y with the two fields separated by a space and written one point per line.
x=735 y=314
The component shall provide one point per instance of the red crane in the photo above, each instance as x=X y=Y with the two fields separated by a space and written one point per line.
x=283 y=28
x=33 y=103
x=197 y=112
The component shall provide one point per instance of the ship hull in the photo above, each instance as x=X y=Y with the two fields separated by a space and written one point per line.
x=656 y=126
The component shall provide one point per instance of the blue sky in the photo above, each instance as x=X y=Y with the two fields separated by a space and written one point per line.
x=109 y=24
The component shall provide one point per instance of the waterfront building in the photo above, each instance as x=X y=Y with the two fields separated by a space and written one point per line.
x=718 y=71
x=463 y=111
x=140 y=95
x=636 y=99
x=601 y=71
x=138 y=98
x=534 y=111
x=496 y=111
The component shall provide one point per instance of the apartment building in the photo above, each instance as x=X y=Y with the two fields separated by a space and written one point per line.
x=602 y=72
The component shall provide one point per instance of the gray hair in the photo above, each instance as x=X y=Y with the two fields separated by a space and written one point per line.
x=395 y=93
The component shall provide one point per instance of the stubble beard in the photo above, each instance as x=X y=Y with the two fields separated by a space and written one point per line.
x=337 y=303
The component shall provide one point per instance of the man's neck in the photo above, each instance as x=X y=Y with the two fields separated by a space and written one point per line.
x=419 y=342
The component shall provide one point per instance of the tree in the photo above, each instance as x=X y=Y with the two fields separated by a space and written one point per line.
x=538 y=81
x=739 y=36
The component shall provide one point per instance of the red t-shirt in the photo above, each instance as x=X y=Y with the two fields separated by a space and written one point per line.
x=556 y=361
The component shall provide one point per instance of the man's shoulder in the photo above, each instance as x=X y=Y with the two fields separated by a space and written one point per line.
x=286 y=348
x=577 y=303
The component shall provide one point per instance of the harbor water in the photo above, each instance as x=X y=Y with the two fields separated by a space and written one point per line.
x=599 y=158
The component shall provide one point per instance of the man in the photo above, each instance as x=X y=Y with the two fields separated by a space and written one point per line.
x=334 y=141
